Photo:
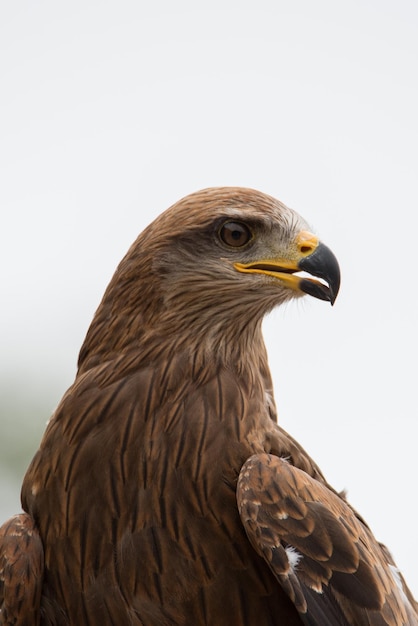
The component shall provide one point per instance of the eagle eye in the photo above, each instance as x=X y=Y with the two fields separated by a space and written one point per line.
x=235 y=234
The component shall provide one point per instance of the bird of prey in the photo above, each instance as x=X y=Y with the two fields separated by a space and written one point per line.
x=164 y=493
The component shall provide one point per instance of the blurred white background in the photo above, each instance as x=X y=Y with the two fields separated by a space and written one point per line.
x=112 y=111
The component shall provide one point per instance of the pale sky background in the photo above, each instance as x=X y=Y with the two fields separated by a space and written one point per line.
x=112 y=111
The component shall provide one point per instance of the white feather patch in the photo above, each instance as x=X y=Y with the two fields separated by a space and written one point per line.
x=398 y=580
x=294 y=557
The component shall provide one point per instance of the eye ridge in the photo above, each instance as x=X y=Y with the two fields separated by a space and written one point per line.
x=235 y=234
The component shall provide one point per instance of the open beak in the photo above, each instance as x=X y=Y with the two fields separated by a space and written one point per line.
x=309 y=256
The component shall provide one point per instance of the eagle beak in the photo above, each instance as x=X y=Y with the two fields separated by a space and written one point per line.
x=323 y=264
x=308 y=255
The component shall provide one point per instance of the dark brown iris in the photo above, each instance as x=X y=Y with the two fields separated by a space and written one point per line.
x=235 y=234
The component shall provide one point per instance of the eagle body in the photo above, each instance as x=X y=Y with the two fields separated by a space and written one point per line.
x=164 y=493
x=157 y=536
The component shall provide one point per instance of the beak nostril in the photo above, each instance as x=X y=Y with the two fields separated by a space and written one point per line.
x=306 y=242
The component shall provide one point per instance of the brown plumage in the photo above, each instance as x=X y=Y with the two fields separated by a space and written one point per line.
x=164 y=493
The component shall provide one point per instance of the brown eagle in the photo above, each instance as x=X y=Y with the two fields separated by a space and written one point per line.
x=163 y=492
